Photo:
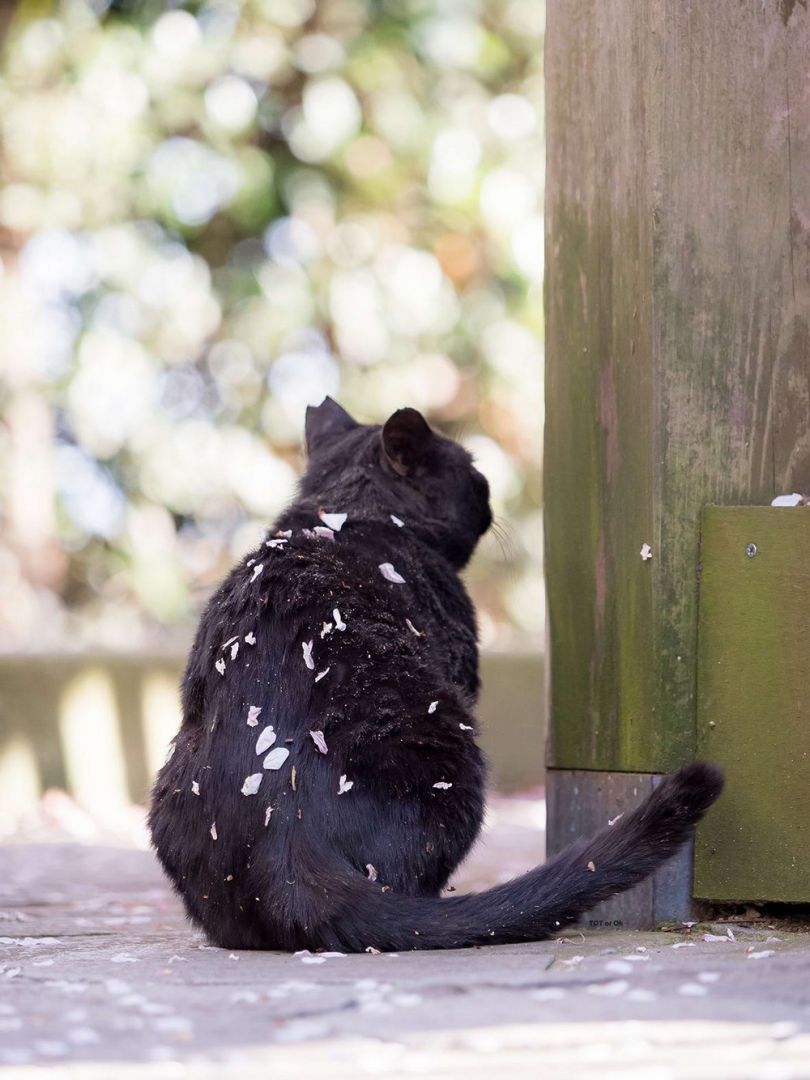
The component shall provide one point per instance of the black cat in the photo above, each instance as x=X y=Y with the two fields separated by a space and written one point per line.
x=326 y=781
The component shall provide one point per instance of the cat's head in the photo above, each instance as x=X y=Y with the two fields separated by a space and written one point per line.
x=402 y=467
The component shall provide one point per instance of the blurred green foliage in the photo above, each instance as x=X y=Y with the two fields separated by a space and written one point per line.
x=212 y=215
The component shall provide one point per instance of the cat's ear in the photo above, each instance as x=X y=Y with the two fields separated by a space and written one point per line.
x=326 y=422
x=407 y=441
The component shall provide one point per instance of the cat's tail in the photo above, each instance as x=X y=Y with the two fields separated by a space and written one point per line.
x=354 y=914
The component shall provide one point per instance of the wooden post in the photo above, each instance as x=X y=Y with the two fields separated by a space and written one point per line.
x=678 y=362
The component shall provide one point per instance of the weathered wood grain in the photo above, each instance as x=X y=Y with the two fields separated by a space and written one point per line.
x=581 y=803
x=753 y=704
x=678 y=348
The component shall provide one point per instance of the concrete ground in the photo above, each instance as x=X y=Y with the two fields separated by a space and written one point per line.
x=101 y=977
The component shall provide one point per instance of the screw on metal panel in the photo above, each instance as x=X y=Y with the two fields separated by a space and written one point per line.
x=751 y=550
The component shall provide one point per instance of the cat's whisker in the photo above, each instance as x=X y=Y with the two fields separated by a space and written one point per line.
x=505 y=538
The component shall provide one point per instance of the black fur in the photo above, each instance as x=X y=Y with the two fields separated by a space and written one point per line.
x=304 y=879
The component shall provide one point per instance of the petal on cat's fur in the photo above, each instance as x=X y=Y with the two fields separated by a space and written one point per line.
x=220 y=666
x=195 y=787
x=433 y=706
x=320 y=741
x=213 y=830
x=390 y=574
x=276 y=758
x=443 y=785
x=321 y=674
x=252 y=783
x=412 y=628
x=250 y=639
x=334 y=521
x=345 y=785
x=266 y=739
x=257 y=570
x=397 y=521
x=254 y=712
x=306 y=646
x=339 y=623
x=324 y=533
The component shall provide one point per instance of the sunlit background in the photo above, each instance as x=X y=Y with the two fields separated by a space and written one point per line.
x=212 y=215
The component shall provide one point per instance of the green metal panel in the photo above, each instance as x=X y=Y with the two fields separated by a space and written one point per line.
x=753 y=703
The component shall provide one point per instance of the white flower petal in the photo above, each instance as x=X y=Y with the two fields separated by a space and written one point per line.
x=276 y=758
x=320 y=741
x=234 y=650
x=250 y=639
x=220 y=666
x=433 y=706
x=390 y=574
x=324 y=533
x=267 y=813
x=254 y=711
x=334 y=521
x=266 y=739
x=213 y=830
x=257 y=570
x=326 y=629
x=345 y=785
x=412 y=628
x=195 y=787
x=252 y=783
x=321 y=674
x=466 y=727
x=372 y=872
x=276 y=543
x=646 y=552
x=397 y=521
x=339 y=623
x=442 y=785
x=306 y=647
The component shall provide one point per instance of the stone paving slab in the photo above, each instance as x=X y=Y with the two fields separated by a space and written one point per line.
x=100 y=976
